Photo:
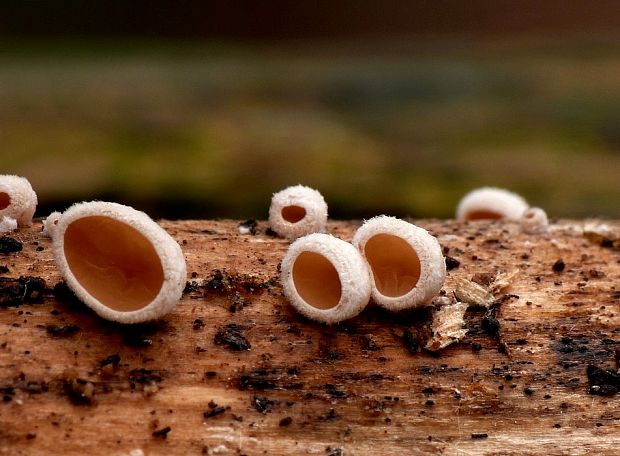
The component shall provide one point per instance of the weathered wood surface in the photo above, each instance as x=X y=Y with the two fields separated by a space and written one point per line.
x=304 y=388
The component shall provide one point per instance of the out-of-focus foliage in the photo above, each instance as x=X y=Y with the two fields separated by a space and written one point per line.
x=188 y=130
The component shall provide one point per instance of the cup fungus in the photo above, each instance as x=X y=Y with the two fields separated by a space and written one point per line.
x=297 y=211
x=325 y=278
x=489 y=203
x=117 y=260
x=17 y=199
x=534 y=221
x=407 y=265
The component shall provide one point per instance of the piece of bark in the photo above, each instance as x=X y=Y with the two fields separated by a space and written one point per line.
x=448 y=326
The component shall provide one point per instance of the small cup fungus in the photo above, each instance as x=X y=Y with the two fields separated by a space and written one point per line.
x=407 y=265
x=17 y=199
x=117 y=260
x=489 y=203
x=534 y=221
x=297 y=211
x=325 y=278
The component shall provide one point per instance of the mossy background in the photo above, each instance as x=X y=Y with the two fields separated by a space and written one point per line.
x=196 y=129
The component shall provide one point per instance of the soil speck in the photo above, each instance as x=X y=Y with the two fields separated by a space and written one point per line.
x=214 y=411
x=26 y=289
x=231 y=337
x=261 y=404
x=558 y=266
x=162 y=433
x=603 y=382
x=286 y=421
x=10 y=245
x=452 y=263
x=62 y=331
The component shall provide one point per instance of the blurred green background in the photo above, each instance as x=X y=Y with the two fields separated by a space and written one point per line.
x=187 y=126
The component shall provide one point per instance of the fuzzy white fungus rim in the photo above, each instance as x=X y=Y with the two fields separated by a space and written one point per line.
x=325 y=278
x=17 y=199
x=114 y=253
x=534 y=221
x=491 y=203
x=406 y=262
x=7 y=224
x=297 y=211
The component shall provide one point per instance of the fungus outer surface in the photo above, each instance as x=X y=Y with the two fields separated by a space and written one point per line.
x=325 y=278
x=114 y=262
x=297 y=211
x=7 y=224
x=316 y=280
x=534 y=221
x=406 y=262
x=17 y=199
x=394 y=264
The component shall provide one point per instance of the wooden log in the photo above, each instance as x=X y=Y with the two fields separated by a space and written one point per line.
x=234 y=370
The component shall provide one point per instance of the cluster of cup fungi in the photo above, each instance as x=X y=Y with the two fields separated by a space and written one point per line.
x=396 y=263
x=128 y=269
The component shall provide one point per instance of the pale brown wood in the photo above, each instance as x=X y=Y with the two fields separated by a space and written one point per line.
x=350 y=389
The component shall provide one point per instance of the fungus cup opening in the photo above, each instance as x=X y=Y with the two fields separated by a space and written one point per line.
x=293 y=214
x=483 y=215
x=394 y=263
x=114 y=262
x=5 y=200
x=316 y=280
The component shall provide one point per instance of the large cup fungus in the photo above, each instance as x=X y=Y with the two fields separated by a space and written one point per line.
x=407 y=265
x=117 y=260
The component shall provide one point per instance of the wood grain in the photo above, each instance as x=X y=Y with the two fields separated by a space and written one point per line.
x=303 y=388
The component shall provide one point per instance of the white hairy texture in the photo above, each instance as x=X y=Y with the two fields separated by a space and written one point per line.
x=428 y=250
x=448 y=326
x=23 y=199
x=7 y=224
x=489 y=199
x=167 y=249
x=309 y=199
x=50 y=223
x=534 y=221
x=352 y=271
